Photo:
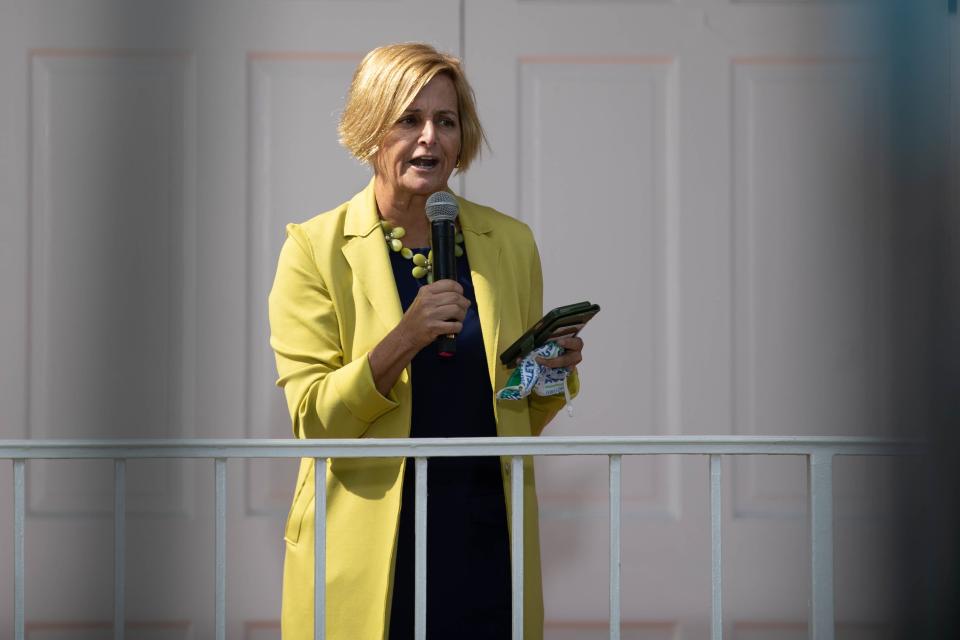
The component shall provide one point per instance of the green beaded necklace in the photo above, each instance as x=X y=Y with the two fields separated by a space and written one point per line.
x=422 y=264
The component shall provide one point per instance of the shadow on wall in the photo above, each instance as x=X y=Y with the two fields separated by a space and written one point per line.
x=927 y=312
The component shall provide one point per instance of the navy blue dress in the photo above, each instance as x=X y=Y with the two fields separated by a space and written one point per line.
x=468 y=555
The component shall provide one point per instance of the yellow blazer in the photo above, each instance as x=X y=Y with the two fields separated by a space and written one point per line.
x=334 y=298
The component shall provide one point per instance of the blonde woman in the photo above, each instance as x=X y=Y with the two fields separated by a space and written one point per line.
x=354 y=318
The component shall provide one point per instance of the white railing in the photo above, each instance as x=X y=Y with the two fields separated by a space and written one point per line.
x=819 y=451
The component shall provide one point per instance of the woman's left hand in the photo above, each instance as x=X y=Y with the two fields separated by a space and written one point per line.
x=571 y=356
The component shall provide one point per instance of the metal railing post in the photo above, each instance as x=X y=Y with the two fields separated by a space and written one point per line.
x=19 y=513
x=821 y=545
x=319 y=548
x=615 y=485
x=716 y=549
x=516 y=542
x=420 y=551
x=220 y=615
x=119 y=546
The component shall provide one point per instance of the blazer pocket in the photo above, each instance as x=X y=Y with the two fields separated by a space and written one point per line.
x=301 y=500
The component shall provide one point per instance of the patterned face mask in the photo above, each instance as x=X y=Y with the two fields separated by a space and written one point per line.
x=532 y=377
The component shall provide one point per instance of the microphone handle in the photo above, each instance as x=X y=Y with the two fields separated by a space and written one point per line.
x=443 y=234
x=447 y=346
x=444 y=248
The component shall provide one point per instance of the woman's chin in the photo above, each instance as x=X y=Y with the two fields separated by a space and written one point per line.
x=425 y=185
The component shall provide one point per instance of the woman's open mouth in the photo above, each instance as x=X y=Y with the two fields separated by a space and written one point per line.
x=425 y=162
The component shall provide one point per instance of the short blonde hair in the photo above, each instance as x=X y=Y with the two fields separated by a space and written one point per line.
x=387 y=81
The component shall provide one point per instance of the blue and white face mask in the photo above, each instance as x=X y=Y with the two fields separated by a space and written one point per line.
x=532 y=377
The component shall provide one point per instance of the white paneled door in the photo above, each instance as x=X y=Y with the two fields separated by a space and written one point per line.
x=151 y=155
x=711 y=172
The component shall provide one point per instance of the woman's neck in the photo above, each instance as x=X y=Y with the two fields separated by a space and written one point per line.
x=403 y=209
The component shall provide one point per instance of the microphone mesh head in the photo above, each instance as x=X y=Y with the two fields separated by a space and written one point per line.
x=442 y=206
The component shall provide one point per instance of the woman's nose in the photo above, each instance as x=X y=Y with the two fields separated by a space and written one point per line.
x=428 y=133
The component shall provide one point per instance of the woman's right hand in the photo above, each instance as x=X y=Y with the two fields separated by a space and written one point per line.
x=438 y=310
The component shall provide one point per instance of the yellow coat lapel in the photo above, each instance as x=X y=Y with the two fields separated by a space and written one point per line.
x=483 y=254
x=368 y=260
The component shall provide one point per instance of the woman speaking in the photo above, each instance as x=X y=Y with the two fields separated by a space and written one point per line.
x=354 y=317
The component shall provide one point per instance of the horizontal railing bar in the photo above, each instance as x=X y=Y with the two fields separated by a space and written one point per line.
x=453 y=447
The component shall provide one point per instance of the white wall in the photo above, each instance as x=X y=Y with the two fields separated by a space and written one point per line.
x=712 y=172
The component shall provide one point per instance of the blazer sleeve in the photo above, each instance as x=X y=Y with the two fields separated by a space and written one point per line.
x=543 y=408
x=326 y=396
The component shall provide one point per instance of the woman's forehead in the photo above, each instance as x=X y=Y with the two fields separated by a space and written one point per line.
x=440 y=93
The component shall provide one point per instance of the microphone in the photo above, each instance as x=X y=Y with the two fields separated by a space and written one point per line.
x=442 y=210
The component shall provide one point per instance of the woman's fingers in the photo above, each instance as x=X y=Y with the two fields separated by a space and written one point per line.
x=448 y=306
x=450 y=301
x=449 y=327
x=449 y=313
x=565 y=360
x=441 y=286
x=571 y=356
x=571 y=343
x=438 y=309
x=442 y=295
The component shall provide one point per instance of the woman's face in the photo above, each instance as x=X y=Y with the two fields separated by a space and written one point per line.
x=420 y=151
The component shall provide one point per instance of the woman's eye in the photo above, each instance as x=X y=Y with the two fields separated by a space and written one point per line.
x=407 y=120
x=448 y=122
